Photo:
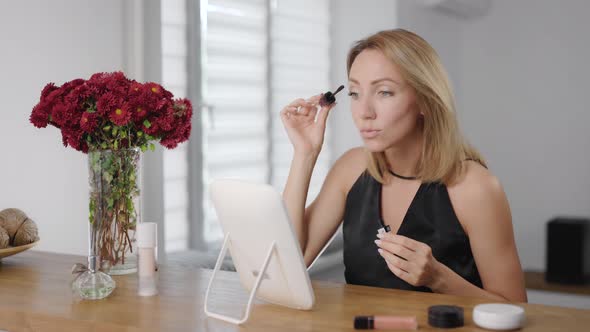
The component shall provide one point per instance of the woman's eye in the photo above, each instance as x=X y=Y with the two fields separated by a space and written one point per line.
x=353 y=94
x=386 y=93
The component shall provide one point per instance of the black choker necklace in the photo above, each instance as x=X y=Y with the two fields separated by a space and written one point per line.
x=402 y=177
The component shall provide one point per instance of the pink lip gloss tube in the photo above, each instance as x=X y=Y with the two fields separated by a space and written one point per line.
x=385 y=323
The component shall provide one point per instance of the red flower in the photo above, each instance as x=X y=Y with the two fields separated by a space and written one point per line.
x=153 y=128
x=117 y=82
x=54 y=95
x=120 y=115
x=106 y=103
x=182 y=113
x=78 y=95
x=179 y=135
x=40 y=116
x=68 y=86
x=74 y=138
x=138 y=113
x=89 y=122
x=47 y=90
x=135 y=87
x=58 y=115
x=148 y=98
x=154 y=88
x=166 y=120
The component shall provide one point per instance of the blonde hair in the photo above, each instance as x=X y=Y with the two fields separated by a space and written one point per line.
x=444 y=148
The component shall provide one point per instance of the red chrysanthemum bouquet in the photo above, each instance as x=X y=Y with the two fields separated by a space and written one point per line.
x=110 y=111
x=113 y=119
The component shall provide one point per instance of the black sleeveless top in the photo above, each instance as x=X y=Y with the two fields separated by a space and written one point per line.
x=430 y=219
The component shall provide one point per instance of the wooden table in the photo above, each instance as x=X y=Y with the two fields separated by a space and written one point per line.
x=35 y=296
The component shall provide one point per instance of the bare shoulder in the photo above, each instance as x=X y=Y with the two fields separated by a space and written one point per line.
x=476 y=192
x=349 y=167
x=476 y=179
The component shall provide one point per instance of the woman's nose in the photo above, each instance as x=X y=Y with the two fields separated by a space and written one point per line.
x=367 y=110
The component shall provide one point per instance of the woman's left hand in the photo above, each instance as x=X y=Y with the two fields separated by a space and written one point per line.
x=410 y=260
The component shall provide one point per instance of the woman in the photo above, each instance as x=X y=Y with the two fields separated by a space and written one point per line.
x=448 y=222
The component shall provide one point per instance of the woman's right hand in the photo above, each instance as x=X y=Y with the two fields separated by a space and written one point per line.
x=305 y=133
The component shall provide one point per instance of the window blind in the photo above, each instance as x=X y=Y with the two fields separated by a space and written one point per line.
x=236 y=140
x=300 y=62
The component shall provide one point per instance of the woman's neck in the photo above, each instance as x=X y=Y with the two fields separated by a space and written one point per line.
x=403 y=158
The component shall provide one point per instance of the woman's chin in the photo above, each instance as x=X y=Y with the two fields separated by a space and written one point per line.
x=373 y=145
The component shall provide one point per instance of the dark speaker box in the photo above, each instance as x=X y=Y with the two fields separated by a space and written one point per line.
x=568 y=251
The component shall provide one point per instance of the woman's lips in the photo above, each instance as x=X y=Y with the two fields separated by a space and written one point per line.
x=370 y=133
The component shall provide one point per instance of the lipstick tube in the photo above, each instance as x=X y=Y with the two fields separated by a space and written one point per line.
x=385 y=323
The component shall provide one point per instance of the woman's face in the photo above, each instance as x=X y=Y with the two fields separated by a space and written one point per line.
x=383 y=105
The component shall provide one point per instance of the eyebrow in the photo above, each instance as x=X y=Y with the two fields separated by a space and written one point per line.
x=376 y=81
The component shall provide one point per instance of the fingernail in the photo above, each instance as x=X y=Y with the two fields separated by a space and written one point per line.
x=380 y=235
x=378 y=242
x=380 y=251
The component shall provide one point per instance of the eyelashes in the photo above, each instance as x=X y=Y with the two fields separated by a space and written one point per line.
x=381 y=93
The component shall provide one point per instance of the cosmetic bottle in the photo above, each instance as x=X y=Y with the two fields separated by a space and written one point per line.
x=146 y=263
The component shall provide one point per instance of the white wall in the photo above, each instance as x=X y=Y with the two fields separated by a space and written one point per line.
x=41 y=42
x=525 y=86
x=443 y=32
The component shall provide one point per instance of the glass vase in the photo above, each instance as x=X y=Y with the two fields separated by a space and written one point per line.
x=114 y=206
x=91 y=283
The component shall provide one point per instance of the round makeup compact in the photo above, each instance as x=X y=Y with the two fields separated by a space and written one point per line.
x=445 y=316
x=498 y=316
